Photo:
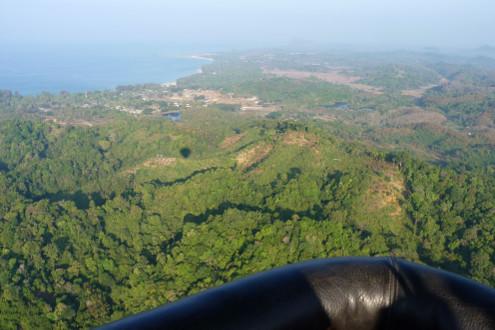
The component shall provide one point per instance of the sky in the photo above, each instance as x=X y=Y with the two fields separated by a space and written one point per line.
x=250 y=23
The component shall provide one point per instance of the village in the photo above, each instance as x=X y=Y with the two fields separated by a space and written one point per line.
x=167 y=102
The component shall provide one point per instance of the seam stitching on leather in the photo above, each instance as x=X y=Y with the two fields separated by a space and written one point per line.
x=393 y=286
x=393 y=279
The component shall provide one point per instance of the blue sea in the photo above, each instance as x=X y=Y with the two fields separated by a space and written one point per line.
x=35 y=69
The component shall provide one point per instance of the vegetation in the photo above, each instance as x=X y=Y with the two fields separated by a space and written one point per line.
x=106 y=212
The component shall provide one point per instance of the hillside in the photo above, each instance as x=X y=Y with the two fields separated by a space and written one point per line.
x=110 y=206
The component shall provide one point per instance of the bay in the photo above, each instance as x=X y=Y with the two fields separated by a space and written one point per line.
x=31 y=70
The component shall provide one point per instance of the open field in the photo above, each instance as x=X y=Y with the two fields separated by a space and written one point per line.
x=333 y=77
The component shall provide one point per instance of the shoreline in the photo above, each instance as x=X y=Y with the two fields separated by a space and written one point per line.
x=170 y=82
x=202 y=57
x=173 y=83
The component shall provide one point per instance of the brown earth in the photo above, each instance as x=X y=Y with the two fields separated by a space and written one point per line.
x=386 y=191
x=213 y=97
x=418 y=92
x=159 y=161
x=229 y=141
x=156 y=162
x=247 y=158
x=335 y=77
x=300 y=139
x=73 y=122
x=326 y=117
x=407 y=116
x=248 y=105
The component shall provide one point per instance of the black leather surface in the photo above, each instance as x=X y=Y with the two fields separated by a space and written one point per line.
x=341 y=293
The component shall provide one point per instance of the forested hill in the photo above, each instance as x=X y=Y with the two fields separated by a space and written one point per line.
x=98 y=223
x=115 y=202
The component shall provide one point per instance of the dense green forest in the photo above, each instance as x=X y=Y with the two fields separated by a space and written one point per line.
x=106 y=211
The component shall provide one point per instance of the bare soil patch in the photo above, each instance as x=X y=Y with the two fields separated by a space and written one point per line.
x=207 y=96
x=160 y=161
x=409 y=116
x=326 y=117
x=229 y=141
x=300 y=139
x=155 y=162
x=337 y=77
x=248 y=158
x=72 y=122
x=419 y=92
x=386 y=191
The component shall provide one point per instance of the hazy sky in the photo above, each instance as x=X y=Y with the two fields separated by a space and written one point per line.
x=411 y=23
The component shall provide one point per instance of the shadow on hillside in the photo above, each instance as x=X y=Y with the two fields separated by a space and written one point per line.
x=80 y=198
x=278 y=213
x=185 y=152
x=159 y=183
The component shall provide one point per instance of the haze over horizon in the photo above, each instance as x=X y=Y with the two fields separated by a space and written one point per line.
x=255 y=23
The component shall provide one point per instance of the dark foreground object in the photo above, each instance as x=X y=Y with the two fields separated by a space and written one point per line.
x=341 y=293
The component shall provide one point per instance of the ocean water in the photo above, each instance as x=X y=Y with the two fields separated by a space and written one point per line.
x=32 y=70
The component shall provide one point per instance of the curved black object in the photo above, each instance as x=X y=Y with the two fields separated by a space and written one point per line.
x=341 y=293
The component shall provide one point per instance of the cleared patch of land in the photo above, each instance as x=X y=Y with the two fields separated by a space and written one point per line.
x=386 y=191
x=230 y=141
x=156 y=162
x=74 y=122
x=248 y=158
x=207 y=96
x=337 y=77
x=300 y=139
x=407 y=116
x=419 y=92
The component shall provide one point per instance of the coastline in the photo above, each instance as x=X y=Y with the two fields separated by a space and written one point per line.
x=82 y=78
x=205 y=57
